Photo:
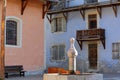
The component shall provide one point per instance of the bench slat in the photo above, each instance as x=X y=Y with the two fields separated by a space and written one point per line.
x=14 y=69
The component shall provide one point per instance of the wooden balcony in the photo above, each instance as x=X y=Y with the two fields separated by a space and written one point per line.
x=90 y=35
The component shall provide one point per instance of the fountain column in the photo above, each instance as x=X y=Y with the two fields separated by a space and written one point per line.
x=72 y=54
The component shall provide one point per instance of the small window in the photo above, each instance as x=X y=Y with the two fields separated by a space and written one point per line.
x=92 y=19
x=115 y=50
x=58 y=24
x=11 y=32
x=58 y=53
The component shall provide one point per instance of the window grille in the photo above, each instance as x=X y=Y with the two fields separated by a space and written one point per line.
x=11 y=32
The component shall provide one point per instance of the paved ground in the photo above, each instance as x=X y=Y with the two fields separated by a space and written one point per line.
x=111 y=76
x=38 y=77
x=32 y=77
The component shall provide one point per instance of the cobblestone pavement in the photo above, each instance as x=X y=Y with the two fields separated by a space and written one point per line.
x=38 y=77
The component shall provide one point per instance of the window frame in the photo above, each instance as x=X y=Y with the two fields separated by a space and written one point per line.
x=19 y=31
x=54 y=25
x=116 y=50
x=51 y=52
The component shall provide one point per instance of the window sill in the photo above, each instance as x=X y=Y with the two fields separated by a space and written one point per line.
x=58 y=60
x=13 y=46
x=58 y=32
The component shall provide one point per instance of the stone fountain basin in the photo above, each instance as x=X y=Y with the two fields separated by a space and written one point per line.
x=82 y=76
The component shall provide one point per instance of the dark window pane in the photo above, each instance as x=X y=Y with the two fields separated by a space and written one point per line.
x=93 y=24
x=11 y=32
x=92 y=21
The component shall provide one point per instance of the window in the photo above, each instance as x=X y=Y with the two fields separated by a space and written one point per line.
x=115 y=50
x=58 y=24
x=58 y=52
x=91 y=1
x=13 y=31
x=92 y=21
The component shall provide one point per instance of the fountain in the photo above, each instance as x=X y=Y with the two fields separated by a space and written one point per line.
x=72 y=54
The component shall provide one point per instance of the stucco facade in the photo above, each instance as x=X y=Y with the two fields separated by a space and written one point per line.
x=108 y=21
x=30 y=52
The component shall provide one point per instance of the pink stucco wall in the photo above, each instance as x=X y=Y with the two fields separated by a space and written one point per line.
x=31 y=53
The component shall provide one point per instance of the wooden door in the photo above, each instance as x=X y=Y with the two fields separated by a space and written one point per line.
x=92 y=56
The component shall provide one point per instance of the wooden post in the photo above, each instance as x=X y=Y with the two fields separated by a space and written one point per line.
x=2 y=50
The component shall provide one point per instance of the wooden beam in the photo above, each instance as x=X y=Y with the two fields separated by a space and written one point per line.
x=82 y=12
x=23 y=5
x=2 y=50
x=65 y=16
x=99 y=10
x=103 y=42
x=80 y=44
x=114 y=7
x=45 y=8
x=49 y=18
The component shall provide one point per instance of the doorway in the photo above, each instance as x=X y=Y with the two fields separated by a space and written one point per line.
x=92 y=56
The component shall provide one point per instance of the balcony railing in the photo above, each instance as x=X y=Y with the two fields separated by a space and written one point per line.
x=90 y=35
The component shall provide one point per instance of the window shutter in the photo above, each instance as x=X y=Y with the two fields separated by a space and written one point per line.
x=54 y=53
x=51 y=53
x=115 y=50
x=64 y=24
x=61 y=52
x=59 y=23
x=53 y=25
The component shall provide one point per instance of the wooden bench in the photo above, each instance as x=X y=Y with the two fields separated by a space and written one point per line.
x=14 y=70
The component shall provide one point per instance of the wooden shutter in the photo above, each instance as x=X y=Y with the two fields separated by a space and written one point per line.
x=54 y=52
x=53 y=25
x=59 y=24
x=64 y=24
x=61 y=52
x=115 y=50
